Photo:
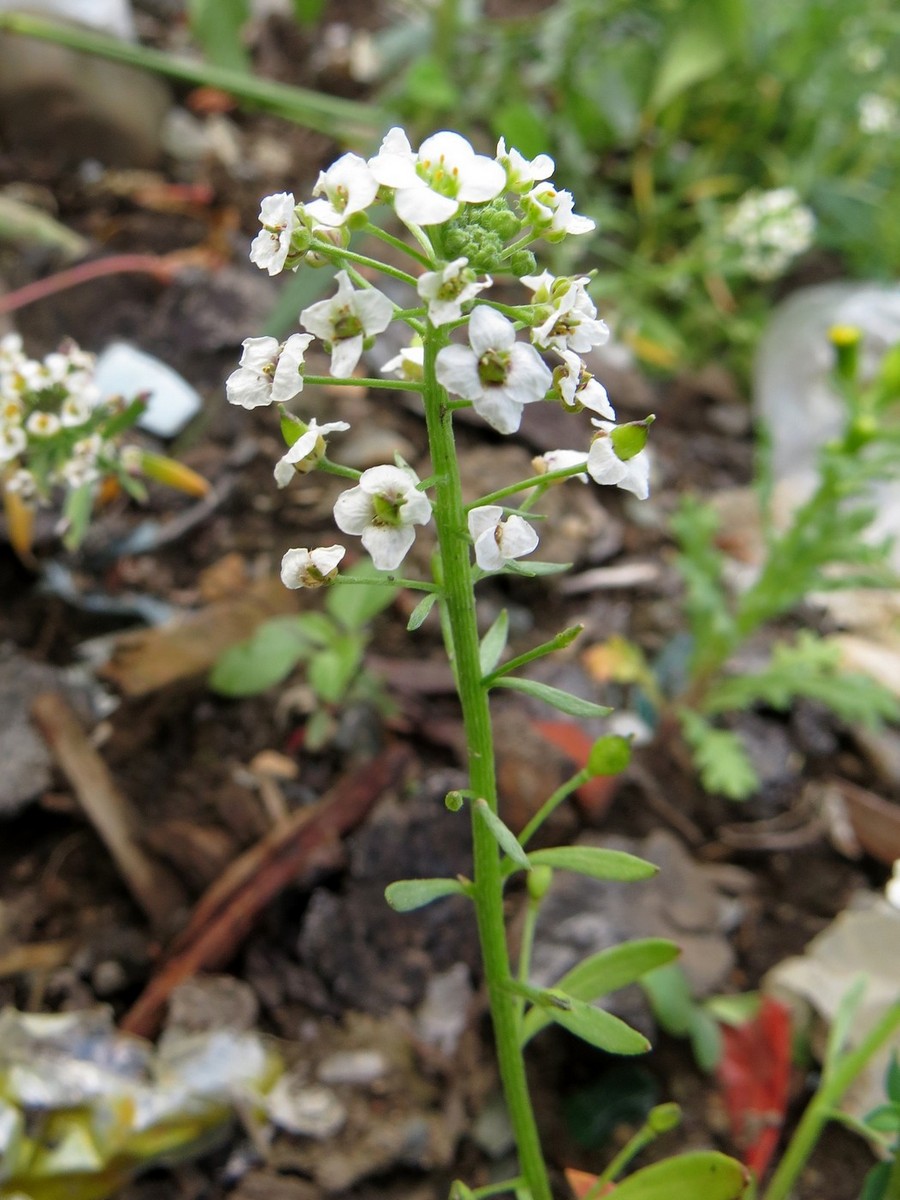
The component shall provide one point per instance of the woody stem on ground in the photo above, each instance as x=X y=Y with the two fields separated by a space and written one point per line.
x=459 y=605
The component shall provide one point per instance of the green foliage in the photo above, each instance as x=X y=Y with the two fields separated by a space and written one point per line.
x=680 y=1015
x=594 y=862
x=408 y=894
x=217 y=26
x=573 y=706
x=719 y=756
x=703 y=1173
x=331 y=644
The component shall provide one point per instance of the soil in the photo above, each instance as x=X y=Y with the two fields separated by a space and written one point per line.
x=325 y=947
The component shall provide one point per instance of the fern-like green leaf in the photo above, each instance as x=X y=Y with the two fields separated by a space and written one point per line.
x=719 y=756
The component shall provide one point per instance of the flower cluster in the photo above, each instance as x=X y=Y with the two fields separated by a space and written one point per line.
x=471 y=217
x=58 y=433
x=770 y=230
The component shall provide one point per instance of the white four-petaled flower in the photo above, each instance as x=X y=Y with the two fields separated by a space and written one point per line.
x=347 y=187
x=308 y=449
x=346 y=320
x=605 y=466
x=579 y=389
x=382 y=509
x=272 y=244
x=552 y=213
x=269 y=371
x=430 y=186
x=521 y=172
x=497 y=373
x=560 y=460
x=310 y=568
x=498 y=542
x=446 y=290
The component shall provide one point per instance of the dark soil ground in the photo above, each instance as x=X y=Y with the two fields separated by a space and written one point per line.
x=326 y=947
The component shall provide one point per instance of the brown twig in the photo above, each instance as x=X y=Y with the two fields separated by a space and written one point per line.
x=108 y=810
x=160 y=268
x=226 y=912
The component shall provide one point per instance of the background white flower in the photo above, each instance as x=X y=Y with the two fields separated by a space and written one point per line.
x=347 y=187
x=308 y=446
x=310 y=568
x=346 y=320
x=271 y=246
x=409 y=363
x=430 y=186
x=269 y=371
x=445 y=291
x=498 y=542
x=381 y=510
x=497 y=373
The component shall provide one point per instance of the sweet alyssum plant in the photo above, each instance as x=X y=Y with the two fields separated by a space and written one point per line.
x=470 y=218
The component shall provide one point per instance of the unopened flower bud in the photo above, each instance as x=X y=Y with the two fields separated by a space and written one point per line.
x=663 y=1117
x=539 y=880
x=846 y=340
x=454 y=800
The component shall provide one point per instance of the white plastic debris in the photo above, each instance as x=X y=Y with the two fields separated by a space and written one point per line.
x=314 y=1112
x=353 y=1067
x=123 y=370
x=109 y=16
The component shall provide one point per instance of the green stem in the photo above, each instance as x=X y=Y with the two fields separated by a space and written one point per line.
x=393 y=385
x=338 y=255
x=414 y=585
x=524 y=484
x=832 y=1088
x=397 y=243
x=459 y=605
x=552 y=803
x=525 y=950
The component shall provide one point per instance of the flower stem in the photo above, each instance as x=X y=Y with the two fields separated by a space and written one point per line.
x=392 y=385
x=338 y=255
x=459 y=605
x=535 y=481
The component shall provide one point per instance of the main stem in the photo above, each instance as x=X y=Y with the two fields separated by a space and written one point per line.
x=459 y=601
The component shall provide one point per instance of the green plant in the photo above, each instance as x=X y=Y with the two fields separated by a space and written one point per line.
x=882 y=1125
x=823 y=547
x=331 y=646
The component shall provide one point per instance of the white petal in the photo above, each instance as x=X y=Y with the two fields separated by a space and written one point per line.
x=603 y=464
x=374 y=310
x=499 y=410
x=529 y=377
x=594 y=396
x=416 y=509
x=353 y=511
x=387 y=481
x=294 y=565
x=637 y=475
x=395 y=164
x=448 y=145
x=247 y=389
x=287 y=381
x=517 y=537
x=483 y=518
x=318 y=318
x=388 y=545
x=284 y=471
x=326 y=558
x=484 y=179
x=487 y=552
x=457 y=370
x=259 y=352
x=345 y=354
x=421 y=206
x=490 y=330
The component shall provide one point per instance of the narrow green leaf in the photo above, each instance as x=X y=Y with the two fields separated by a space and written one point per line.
x=701 y=1175
x=694 y=54
x=421 y=611
x=407 y=894
x=605 y=972
x=494 y=643
x=217 y=26
x=77 y=510
x=506 y=839
x=555 y=697
x=597 y=1027
x=534 y=569
x=843 y=1023
x=595 y=862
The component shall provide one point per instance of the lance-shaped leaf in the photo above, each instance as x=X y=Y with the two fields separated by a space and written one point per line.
x=593 y=1025
x=556 y=697
x=407 y=894
x=703 y=1175
x=493 y=643
x=505 y=837
x=605 y=972
x=595 y=861
x=421 y=611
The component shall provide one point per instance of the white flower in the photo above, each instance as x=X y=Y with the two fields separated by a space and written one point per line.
x=269 y=372
x=310 y=568
x=409 y=363
x=497 y=373
x=559 y=460
x=382 y=509
x=605 y=466
x=11 y=410
x=878 y=114
x=430 y=186
x=348 y=187
x=521 y=172
x=79 y=471
x=571 y=324
x=22 y=483
x=498 y=542
x=12 y=442
x=551 y=212
x=272 y=244
x=76 y=409
x=305 y=453
x=447 y=290
x=43 y=424
x=346 y=320
x=771 y=229
x=579 y=389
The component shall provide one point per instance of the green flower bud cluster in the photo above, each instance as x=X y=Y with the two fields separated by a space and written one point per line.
x=481 y=232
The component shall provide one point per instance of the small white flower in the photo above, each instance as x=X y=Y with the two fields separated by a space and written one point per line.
x=498 y=542
x=79 y=471
x=346 y=320
x=306 y=452
x=382 y=509
x=571 y=323
x=771 y=229
x=605 y=466
x=447 y=290
x=348 y=187
x=11 y=410
x=521 y=172
x=272 y=244
x=12 y=442
x=497 y=373
x=76 y=409
x=269 y=372
x=22 y=483
x=302 y=568
x=409 y=363
x=579 y=389
x=430 y=186
x=878 y=114
x=551 y=212
x=559 y=460
x=43 y=424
